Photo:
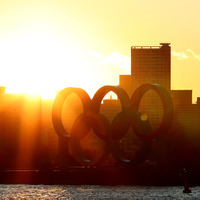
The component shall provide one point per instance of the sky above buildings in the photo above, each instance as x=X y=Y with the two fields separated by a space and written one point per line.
x=47 y=45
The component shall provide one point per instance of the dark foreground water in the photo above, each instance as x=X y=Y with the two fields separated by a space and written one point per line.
x=94 y=192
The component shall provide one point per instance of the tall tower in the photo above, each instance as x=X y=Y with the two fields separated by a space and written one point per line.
x=151 y=64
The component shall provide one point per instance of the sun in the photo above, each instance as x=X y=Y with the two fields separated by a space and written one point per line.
x=41 y=64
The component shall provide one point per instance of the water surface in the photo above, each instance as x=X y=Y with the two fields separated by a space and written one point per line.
x=94 y=192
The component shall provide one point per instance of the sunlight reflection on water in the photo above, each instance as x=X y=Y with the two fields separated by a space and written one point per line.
x=95 y=192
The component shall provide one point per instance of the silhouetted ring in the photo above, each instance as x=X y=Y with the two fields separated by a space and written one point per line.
x=99 y=95
x=58 y=105
x=130 y=119
x=103 y=126
x=167 y=107
x=121 y=94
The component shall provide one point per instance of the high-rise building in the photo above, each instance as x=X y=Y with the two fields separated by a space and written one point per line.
x=151 y=64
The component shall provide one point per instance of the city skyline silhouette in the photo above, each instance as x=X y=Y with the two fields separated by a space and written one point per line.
x=29 y=122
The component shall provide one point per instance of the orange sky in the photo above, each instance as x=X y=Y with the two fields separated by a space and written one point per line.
x=46 y=45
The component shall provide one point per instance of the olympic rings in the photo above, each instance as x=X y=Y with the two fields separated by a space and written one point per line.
x=111 y=134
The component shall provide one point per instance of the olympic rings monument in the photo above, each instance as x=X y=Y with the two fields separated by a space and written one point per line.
x=109 y=133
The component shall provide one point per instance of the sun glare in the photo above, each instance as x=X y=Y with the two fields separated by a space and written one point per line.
x=41 y=64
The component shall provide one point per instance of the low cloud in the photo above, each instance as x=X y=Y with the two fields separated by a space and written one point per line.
x=179 y=55
x=193 y=54
x=120 y=60
x=184 y=55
